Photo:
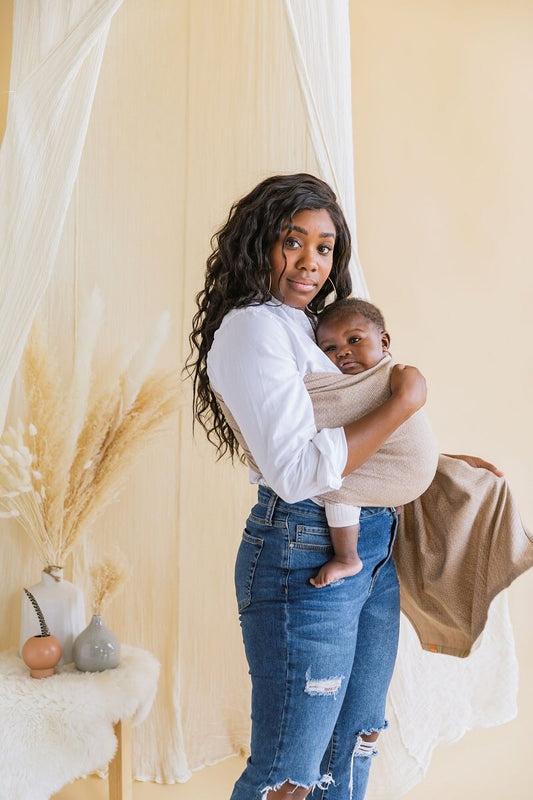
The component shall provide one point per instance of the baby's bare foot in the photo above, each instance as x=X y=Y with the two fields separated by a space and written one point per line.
x=334 y=570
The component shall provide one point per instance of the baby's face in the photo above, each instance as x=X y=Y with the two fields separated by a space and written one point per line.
x=354 y=343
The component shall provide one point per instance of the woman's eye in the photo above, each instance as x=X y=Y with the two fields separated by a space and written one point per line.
x=324 y=249
x=291 y=243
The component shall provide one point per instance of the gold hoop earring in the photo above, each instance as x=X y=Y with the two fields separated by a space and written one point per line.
x=334 y=287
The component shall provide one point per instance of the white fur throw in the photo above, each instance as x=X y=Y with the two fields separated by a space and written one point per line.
x=56 y=729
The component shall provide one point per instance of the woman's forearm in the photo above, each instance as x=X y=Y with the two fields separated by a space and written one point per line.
x=366 y=435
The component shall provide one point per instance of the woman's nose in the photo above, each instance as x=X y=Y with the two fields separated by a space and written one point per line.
x=308 y=261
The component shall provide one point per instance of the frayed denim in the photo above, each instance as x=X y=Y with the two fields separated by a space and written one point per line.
x=320 y=660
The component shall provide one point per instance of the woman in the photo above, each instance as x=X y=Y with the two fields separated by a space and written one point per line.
x=320 y=661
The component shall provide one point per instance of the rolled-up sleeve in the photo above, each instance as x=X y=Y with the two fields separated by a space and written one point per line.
x=254 y=364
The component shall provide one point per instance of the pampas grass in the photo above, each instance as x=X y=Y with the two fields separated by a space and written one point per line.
x=107 y=578
x=86 y=434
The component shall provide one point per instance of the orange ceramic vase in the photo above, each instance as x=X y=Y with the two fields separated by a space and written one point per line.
x=41 y=654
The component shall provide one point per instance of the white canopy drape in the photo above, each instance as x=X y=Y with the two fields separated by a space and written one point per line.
x=320 y=45
x=57 y=52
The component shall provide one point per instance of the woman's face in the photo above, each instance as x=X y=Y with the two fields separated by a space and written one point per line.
x=308 y=250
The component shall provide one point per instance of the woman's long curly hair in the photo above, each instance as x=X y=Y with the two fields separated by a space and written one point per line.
x=238 y=274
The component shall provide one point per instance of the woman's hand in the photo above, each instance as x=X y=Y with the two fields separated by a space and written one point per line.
x=474 y=461
x=409 y=384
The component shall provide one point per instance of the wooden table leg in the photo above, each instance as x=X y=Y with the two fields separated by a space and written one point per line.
x=120 y=782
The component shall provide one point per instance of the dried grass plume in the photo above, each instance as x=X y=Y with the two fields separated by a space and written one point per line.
x=60 y=469
x=107 y=578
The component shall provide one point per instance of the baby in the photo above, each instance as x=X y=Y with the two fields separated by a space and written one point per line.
x=352 y=334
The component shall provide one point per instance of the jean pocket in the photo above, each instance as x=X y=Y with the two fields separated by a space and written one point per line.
x=247 y=558
x=313 y=538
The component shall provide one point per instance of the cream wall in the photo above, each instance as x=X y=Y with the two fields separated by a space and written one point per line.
x=443 y=125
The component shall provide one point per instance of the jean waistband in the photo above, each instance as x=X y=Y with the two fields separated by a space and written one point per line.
x=274 y=503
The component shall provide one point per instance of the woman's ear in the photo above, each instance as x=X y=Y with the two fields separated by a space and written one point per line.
x=385 y=341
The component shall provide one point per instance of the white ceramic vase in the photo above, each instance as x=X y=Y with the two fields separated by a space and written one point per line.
x=63 y=608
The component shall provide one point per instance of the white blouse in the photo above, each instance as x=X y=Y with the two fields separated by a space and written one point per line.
x=257 y=362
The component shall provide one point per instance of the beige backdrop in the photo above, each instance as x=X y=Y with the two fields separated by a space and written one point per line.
x=443 y=125
x=443 y=120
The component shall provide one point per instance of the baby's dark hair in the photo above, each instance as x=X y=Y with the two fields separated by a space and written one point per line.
x=348 y=307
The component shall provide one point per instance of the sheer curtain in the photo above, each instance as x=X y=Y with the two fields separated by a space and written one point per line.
x=57 y=52
x=320 y=45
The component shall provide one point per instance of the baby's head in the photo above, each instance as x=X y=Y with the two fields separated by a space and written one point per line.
x=352 y=334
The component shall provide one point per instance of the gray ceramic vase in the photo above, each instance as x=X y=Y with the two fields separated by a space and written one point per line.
x=96 y=648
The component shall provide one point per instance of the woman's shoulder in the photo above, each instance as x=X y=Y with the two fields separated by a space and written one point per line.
x=246 y=339
x=247 y=314
x=257 y=333
x=247 y=334
x=275 y=319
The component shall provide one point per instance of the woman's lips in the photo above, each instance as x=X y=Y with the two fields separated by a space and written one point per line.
x=302 y=286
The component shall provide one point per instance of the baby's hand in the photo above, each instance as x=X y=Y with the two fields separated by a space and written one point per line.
x=409 y=384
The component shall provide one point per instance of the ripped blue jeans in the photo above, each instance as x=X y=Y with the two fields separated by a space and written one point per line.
x=320 y=660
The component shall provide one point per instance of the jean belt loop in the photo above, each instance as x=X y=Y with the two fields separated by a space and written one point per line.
x=271 y=507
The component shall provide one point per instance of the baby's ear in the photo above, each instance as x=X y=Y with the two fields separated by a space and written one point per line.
x=385 y=341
